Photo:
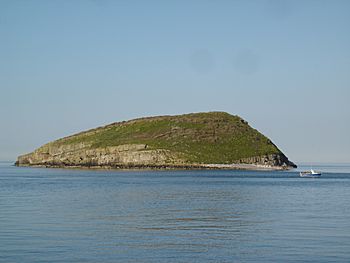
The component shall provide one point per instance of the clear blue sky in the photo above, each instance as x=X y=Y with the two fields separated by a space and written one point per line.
x=284 y=66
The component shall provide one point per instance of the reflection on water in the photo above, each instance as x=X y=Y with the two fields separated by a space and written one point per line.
x=53 y=215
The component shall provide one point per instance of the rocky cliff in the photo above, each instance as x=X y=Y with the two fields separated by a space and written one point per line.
x=198 y=140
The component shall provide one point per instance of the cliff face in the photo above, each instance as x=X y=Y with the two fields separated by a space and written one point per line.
x=185 y=141
x=127 y=155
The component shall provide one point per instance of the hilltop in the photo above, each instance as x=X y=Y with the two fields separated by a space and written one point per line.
x=196 y=140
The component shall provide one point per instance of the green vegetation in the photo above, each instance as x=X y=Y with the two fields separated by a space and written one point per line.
x=214 y=137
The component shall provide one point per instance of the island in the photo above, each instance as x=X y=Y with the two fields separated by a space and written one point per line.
x=209 y=140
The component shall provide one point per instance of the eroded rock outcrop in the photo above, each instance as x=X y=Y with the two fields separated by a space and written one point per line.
x=113 y=156
x=269 y=160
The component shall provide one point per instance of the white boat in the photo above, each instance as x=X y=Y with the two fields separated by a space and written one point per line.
x=310 y=173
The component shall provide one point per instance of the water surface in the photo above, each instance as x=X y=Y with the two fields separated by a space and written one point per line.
x=58 y=215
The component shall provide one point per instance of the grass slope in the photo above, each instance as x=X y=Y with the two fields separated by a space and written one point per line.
x=213 y=137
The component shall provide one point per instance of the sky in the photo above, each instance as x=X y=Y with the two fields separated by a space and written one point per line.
x=284 y=66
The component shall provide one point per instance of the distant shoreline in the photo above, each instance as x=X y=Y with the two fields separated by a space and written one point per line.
x=251 y=167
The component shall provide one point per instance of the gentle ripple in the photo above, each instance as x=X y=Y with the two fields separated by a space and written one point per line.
x=57 y=215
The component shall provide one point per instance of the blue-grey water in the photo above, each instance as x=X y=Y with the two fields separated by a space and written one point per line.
x=58 y=215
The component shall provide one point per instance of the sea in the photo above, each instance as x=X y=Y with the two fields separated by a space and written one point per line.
x=67 y=215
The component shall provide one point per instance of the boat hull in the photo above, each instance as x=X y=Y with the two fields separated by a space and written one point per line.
x=307 y=174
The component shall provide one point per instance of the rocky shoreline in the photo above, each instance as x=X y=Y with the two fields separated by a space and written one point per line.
x=144 y=160
x=241 y=166
x=138 y=157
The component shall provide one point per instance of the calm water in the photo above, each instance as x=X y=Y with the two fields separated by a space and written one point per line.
x=53 y=215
